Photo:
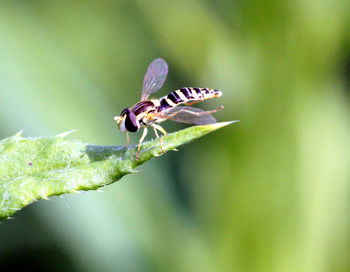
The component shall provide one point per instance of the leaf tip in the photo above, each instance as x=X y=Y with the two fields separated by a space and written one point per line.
x=19 y=133
x=66 y=133
x=223 y=124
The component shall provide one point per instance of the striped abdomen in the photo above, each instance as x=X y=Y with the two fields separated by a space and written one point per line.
x=187 y=95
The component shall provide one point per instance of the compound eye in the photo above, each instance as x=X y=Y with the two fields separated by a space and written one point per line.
x=131 y=122
x=125 y=111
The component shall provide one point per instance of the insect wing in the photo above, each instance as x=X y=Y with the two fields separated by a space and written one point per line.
x=155 y=77
x=189 y=115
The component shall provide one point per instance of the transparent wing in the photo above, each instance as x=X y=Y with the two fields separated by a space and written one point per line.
x=190 y=115
x=154 y=79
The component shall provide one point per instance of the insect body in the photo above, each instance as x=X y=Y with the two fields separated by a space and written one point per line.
x=150 y=112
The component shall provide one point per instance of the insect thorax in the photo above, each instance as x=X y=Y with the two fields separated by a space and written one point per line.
x=145 y=112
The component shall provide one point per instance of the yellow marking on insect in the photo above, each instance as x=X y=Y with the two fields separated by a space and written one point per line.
x=182 y=96
x=171 y=103
x=194 y=94
x=150 y=116
x=141 y=115
x=156 y=102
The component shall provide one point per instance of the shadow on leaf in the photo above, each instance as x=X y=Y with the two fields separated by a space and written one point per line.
x=104 y=152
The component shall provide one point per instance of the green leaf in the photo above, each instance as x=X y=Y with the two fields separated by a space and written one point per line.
x=36 y=168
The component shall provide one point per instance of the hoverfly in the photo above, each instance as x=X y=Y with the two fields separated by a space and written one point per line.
x=149 y=112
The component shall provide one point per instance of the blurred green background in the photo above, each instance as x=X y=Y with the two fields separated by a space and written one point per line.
x=268 y=194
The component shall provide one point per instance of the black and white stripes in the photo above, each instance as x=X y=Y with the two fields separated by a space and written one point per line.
x=187 y=95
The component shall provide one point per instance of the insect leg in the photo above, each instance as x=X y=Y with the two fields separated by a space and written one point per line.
x=127 y=138
x=155 y=132
x=155 y=126
x=140 y=142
